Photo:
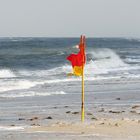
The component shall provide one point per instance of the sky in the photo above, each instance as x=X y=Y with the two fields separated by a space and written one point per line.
x=70 y=18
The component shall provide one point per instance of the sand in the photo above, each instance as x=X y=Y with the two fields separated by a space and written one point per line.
x=108 y=128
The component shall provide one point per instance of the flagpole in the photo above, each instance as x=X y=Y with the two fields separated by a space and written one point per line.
x=82 y=107
x=83 y=98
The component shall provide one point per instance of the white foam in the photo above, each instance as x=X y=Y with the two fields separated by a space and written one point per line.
x=16 y=84
x=41 y=73
x=30 y=93
x=107 y=58
x=132 y=60
x=5 y=73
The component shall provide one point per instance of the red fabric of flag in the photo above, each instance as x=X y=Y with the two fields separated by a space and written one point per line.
x=78 y=60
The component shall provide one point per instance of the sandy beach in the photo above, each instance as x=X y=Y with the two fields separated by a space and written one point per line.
x=103 y=129
x=111 y=112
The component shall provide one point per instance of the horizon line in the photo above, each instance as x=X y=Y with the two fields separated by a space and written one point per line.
x=68 y=37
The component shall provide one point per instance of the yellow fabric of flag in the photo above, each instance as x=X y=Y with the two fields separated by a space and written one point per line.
x=77 y=70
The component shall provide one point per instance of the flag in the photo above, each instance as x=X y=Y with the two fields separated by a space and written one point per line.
x=78 y=60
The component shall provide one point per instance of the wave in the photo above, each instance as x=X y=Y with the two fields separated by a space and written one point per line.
x=132 y=60
x=106 y=58
x=99 y=61
x=16 y=85
x=6 y=73
x=30 y=93
x=22 y=87
x=101 y=64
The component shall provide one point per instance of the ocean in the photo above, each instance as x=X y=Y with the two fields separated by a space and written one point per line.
x=38 y=66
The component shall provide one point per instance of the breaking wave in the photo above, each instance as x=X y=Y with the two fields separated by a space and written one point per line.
x=30 y=93
x=16 y=85
x=5 y=73
x=102 y=63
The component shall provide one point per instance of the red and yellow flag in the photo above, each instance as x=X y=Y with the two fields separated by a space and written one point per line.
x=78 y=60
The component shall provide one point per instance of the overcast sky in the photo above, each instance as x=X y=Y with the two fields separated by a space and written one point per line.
x=70 y=18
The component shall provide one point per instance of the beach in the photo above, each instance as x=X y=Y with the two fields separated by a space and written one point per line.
x=39 y=101
x=112 y=111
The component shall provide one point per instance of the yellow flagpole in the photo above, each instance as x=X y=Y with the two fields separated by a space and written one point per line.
x=82 y=107
x=83 y=96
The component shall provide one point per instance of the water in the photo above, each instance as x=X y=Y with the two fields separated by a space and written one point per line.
x=38 y=66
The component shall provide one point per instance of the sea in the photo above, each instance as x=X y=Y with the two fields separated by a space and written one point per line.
x=34 y=66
